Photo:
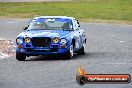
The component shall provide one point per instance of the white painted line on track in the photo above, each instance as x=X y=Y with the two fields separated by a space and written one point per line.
x=112 y=35
x=122 y=41
x=12 y=22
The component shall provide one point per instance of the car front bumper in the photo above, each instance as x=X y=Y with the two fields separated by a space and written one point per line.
x=41 y=51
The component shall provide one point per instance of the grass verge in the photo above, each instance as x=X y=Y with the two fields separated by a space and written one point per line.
x=120 y=10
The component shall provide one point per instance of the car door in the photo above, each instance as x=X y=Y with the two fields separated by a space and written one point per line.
x=80 y=35
x=77 y=35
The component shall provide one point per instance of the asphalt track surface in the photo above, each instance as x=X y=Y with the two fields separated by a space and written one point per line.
x=108 y=51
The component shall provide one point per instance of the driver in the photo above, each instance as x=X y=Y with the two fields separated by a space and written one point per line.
x=40 y=25
x=66 y=26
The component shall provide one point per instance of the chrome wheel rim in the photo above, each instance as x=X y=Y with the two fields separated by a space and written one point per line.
x=84 y=46
x=71 y=50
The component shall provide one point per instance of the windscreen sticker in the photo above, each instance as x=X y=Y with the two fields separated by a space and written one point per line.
x=50 y=20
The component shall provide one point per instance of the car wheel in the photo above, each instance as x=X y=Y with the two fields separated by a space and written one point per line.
x=69 y=54
x=20 y=57
x=81 y=80
x=82 y=50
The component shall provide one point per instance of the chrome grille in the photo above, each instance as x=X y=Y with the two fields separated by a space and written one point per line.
x=41 y=41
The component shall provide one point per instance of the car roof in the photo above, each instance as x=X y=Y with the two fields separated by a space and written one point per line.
x=65 y=17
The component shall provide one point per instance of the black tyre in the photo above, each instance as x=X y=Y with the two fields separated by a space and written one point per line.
x=81 y=80
x=69 y=53
x=82 y=50
x=20 y=57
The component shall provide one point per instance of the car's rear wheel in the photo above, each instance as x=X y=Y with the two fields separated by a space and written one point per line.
x=20 y=57
x=69 y=53
x=82 y=50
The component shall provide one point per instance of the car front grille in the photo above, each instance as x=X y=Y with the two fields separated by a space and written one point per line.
x=41 y=41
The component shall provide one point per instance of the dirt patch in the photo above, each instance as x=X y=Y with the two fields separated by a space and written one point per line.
x=7 y=48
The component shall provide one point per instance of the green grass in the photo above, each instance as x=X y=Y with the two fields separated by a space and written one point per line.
x=81 y=9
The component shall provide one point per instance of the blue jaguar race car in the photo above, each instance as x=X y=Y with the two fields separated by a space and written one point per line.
x=48 y=35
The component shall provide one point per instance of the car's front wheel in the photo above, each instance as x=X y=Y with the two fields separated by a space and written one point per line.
x=82 y=50
x=20 y=57
x=69 y=53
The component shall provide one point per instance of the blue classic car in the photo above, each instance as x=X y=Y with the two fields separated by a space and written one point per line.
x=48 y=35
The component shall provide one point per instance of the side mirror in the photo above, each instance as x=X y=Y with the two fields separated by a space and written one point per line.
x=25 y=28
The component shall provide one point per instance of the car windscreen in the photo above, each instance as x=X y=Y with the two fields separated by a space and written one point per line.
x=50 y=24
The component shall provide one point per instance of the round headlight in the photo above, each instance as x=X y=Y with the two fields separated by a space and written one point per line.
x=19 y=40
x=55 y=40
x=63 y=41
x=27 y=40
